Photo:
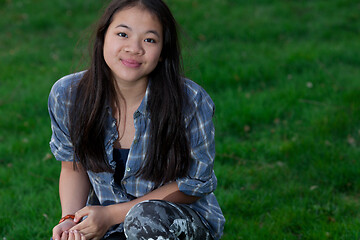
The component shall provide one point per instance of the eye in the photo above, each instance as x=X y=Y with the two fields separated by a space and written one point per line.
x=150 y=40
x=122 y=35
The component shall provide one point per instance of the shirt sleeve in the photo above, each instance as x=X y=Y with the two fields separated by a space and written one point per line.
x=58 y=105
x=201 y=179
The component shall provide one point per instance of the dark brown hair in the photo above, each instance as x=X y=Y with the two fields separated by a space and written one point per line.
x=168 y=151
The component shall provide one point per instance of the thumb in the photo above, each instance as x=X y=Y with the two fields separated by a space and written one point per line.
x=57 y=230
x=55 y=236
x=80 y=214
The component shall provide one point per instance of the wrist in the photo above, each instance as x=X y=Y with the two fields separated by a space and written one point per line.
x=116 y=213
x=67 y=217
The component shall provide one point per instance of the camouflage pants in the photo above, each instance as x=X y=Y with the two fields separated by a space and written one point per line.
x=160 y=220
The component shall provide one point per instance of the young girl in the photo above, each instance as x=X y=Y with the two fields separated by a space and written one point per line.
x=136 y=140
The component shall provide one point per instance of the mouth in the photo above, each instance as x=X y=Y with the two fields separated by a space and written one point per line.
x=131 y=63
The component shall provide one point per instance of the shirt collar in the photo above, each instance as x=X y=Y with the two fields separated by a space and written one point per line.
x=142 y=109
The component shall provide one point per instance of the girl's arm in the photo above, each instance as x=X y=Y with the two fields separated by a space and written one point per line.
x=100 y=218
x=74 y=187
x=169 y=192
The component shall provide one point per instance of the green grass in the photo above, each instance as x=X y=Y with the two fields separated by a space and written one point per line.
x=284 y=76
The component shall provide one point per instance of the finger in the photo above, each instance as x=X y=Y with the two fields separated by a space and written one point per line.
x=75 y=235
x=80 y=214
x=71 y=236
x=56 y=236
x=56 y=233
x=65 y=235
x=78 y=236
x=80 y=227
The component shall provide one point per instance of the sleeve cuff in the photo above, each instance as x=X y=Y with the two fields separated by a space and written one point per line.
x=196 y=187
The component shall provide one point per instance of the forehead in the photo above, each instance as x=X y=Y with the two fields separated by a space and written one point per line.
x=137 y=18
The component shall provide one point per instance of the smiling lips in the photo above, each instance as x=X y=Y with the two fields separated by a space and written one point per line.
x=130 y=63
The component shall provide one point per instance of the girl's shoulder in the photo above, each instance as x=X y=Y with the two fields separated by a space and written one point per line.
x=199 y=102
x=64 y=85
x=63 y=92
x=196 y=94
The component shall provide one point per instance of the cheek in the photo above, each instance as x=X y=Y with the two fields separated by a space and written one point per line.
x=108 y=53
x=157 y=55
x=106 y=56
x=109 y=46
x=156 y=60
x=107 y=50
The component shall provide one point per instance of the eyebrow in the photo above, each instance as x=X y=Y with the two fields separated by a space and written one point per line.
x=150 y=31
x=124 y=26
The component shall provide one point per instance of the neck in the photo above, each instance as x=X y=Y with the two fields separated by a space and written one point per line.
x=132 y=92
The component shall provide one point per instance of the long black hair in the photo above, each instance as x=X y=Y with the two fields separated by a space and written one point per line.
x=168 y=151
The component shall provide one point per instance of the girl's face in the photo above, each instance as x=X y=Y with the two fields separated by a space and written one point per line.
x=133 y=44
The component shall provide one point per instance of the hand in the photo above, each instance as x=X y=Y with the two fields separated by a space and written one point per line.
x=95 y=225
x=59 y=229
x=72 y=235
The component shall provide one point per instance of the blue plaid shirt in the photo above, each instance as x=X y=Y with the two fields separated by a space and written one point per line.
x=201 y=180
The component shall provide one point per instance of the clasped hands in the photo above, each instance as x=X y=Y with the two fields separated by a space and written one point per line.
x=94 y=226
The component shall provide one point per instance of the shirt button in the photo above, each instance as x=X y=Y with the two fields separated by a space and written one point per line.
x=136 y=141
x=124 y=182
x=128 y=169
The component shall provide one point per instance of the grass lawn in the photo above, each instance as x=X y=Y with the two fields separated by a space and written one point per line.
x=285 y=78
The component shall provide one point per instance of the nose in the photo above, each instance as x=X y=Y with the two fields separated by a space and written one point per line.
x=134 y=47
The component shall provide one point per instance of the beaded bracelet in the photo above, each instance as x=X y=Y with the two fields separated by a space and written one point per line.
x=67 y=217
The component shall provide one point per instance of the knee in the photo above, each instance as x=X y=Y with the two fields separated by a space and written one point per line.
x=145 y=220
